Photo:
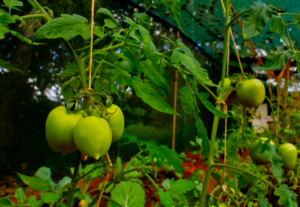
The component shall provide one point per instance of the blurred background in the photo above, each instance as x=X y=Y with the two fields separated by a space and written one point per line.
x=27 y=98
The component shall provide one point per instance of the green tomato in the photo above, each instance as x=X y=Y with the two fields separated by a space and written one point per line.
x=257 y=157
x=92 y=136
x=60 y=126
x=289 y=155
x=115 y=118
x=232 y=98
x=251 y=93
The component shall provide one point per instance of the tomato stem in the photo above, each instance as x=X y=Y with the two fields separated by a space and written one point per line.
x=74 y=180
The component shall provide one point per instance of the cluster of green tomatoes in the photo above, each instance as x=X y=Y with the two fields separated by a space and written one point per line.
x=92 y=135
x=251 y=93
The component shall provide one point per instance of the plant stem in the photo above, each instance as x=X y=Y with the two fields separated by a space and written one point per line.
x=129 y=163
x=112 y=200
x=216 y=119
x=237 y=16
x=34 y=16
x=90 y=172
x=235 y=201
x=74 y=180
x=246 y=172
x=42 y=10
x=289 y=14
x=210 y=158
x=78 y=62
x=151 y=180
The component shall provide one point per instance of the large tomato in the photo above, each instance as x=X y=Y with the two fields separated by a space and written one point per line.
x=257 y=157
x=232 y=98
x=115 y=118
x=289 y=155
x=60 y=126
x=92 y=136
x=251 y=93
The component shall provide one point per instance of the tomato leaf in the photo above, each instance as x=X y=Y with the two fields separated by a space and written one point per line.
x=143 y=18
x=62 y=182
x=183 y=185
x=11 y=3
x=150 y=96
x=256 y=19
x=45 y=173
x=187 y=100
x=276 y=25
x=150 y=48
x=175 y=6
x=287 y=197
x=49 y=197
x=296 y=20
x=20 y=195
x=157 y=155
x=99 y=31
x=202 y=134
x=6 y=18
x=129 y=194
x=33 y=5
x=37 y=183
x=66 y=27
x=173 y=159
x=275 y=61
x=109 y=23
x=154 y=75
x=192 y=65
x=203 y=96
x=3 y=30
x=71 y=69
x=165 y=197
x=8 y=66
x=5 y=201
x=107 y=12
x=70 y=87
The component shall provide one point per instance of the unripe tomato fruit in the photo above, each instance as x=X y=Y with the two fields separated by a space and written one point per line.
x=115 y=118
x=251 y=93
x=232 y=98
x=60 y=126
x=257 y=157
x=92 y=136
x=289 y=155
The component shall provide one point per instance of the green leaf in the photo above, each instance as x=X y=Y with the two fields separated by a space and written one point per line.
x=173 y=159
x=4 y=201
x=129 y=21
x=119 y=164
x=256 y=19
x=37 y=183
x=71 y=69
x=183 y=185
x=31 y=200
x=20 y=195
x=107 y=12
x=3 y=30
x=49 y=197
x=99 y=31
x=286 y=40
x=129 y=194
x=157 y=156
x=165 y=197
x=275 y=61
x=150 y=96
x=45 y=173
x=8 y=66
x=175 y=6
x=109 y=23
x=169 y=40
x=193 y=66
x=24 y=39
x=287 y=197
x=152 y=73
x=276 y=160
x=11 y=3
x=276 y=25
x=147 y=40
x=6 y=18
x=187 y=100
x=296 y=20
x=143 y=18
x=63 y=182
x=14 y=8
x=202 y=134
x=69 y=88
x=66 y=27
x=203 y=96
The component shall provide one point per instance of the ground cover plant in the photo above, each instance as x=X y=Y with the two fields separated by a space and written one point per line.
x=90 y=121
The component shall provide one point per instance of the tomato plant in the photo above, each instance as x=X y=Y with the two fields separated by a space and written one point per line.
x=130 y=61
